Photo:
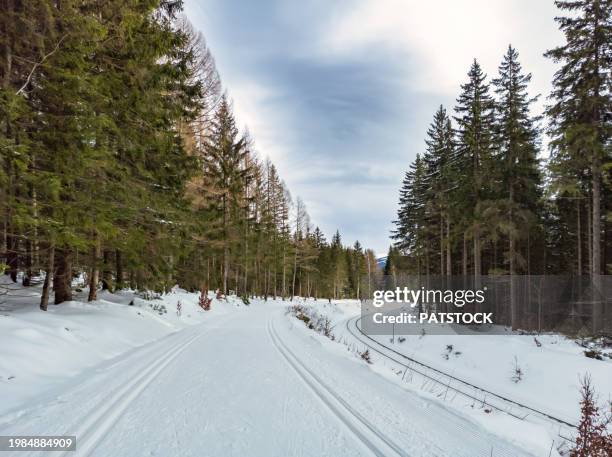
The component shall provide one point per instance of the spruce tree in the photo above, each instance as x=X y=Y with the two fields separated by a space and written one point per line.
x=474 y=147
x=223 y=163
x=516 y=202
x=440 y=161
x=516 y=150
x=581 y=113
x=411 y=228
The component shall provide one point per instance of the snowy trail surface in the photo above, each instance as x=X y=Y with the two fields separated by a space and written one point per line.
x=249 y=383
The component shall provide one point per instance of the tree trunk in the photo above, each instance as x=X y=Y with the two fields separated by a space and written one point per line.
x=514 y=315
x=477 y=253
x=465 y=256
x=12 y=257
x=596 y=264
x=294 y=272
x=369 y=274
x=578 y=238
x=107 y=275
x=225 y=268
x=590 y=235
x=448 y=248
x=596 y=172
x=285 y=273
x=94 y=274
x=441 y=244
x=27 y=277
x=246 y=264
x=119 y=269
x=44 y=298
x=63 y=275
x=225 y=271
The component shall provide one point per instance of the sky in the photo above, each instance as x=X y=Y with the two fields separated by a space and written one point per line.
x=339 y=94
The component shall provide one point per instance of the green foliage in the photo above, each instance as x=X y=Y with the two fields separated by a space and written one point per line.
x=121 y=157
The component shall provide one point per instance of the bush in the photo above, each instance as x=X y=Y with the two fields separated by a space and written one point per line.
x=593 y=354
x=312 y=320
x=366 y=356
x=204 y=301
x=594 y=438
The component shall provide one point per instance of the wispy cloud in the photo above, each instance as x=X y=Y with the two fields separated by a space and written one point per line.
x=339 y=94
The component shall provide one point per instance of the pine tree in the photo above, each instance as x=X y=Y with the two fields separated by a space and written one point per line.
x=516 y=202
x=224 y=165
x=410 y=223
x=474 y=143
x=581 y=113
x=440 y=161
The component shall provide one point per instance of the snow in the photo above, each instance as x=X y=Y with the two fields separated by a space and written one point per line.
x=551 y=372
x=237 y=380
x=39 y=350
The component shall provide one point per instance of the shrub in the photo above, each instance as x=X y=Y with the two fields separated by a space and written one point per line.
x=204 y=301
x=593 y=354
x=594 y=438
x=366 y=356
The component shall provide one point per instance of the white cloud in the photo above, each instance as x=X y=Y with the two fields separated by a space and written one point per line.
x=434 y=41
x=441 y=37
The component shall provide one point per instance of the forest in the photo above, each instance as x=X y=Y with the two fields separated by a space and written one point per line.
x=121 y=164
x=484 y=199
x=485 y=202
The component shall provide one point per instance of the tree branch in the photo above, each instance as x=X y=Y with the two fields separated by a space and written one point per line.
x=37 y=64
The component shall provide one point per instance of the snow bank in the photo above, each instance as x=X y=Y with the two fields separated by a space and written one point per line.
x=40 y=349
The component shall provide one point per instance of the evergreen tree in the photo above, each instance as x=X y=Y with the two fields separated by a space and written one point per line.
x=474 y=148
x=410 y=223
x=580 y=116
x=224 y=166
x=440 y=180
x=516 y=202
x=581 y=113
x=517 y=145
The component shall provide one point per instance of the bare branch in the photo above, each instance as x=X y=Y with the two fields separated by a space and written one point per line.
x=37 y=64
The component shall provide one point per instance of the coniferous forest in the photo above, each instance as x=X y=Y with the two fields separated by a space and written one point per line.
x=121 y=162
x=499 y=190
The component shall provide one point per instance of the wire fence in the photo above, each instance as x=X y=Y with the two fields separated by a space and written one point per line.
x=570 y=304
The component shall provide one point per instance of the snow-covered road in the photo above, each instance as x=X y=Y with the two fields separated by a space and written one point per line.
x=248 y=383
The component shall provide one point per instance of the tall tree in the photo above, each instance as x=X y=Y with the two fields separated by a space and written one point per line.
x=224 y=164
x=517 y=200
x=474 y=143
x=581 y=112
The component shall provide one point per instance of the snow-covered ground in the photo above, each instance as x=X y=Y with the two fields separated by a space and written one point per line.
x=238 y=380
x=39 y=350
x=551 y=365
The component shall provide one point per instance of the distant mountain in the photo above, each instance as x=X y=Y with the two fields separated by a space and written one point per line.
x=381 y=262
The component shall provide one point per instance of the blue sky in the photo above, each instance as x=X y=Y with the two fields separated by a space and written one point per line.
x=339 y=93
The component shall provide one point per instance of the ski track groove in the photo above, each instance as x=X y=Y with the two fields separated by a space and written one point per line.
x=101 y=418
x=97 y=424
x=336 y=404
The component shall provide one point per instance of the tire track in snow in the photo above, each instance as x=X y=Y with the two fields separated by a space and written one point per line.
x=364 y=430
